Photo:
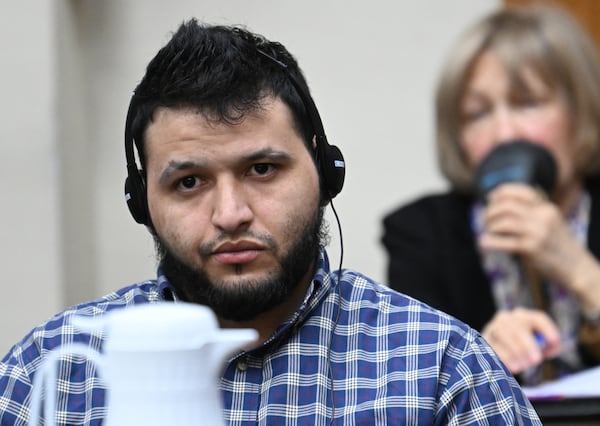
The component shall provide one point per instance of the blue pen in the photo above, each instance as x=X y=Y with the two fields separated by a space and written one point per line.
x=540 y=340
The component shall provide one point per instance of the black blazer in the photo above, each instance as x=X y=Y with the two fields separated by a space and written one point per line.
x=432 y=254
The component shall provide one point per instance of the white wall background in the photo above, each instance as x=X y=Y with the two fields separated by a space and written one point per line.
x=68 y=68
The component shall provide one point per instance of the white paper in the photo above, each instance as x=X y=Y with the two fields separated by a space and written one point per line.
x=578 y=385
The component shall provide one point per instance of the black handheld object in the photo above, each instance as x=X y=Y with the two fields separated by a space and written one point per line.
x=516 y=161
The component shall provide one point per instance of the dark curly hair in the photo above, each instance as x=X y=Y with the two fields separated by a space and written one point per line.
x=220 y=72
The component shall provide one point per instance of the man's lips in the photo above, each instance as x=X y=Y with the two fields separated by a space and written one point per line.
x=235 y=253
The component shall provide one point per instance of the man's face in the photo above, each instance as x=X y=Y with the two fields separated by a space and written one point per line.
x=235 y=207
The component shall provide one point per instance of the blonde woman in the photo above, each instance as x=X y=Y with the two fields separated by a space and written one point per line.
x=532 y=73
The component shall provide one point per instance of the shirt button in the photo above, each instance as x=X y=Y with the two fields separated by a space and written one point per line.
x=242 y=364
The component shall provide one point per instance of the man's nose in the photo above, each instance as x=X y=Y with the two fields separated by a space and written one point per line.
x=231 y=209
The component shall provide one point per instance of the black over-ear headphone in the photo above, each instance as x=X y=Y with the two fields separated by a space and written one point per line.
x=330 y=161
x=135 y=184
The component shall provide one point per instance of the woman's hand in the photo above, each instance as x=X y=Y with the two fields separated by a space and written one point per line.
x=518 y=219
x=512 y=335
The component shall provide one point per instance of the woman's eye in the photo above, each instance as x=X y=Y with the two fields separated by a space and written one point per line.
x=529 y=102
x=473 y=115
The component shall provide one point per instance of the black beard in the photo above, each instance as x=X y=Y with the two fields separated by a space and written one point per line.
x=245 y=300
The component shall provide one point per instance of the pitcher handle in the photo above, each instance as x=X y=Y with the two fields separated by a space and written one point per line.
x=48 y=370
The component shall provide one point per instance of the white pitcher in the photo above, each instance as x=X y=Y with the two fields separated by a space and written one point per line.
x=161 y=363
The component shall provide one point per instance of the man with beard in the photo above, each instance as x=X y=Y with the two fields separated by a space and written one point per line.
x=235 y=174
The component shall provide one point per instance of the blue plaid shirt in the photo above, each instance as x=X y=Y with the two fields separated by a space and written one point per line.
x=355 y=352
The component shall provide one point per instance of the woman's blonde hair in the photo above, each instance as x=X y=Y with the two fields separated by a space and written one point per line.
x=544 y=39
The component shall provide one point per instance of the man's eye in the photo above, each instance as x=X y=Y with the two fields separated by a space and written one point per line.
x=262 y=169
x=188 y=182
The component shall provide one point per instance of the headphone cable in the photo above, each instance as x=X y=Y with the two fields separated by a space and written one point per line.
x=337 y=316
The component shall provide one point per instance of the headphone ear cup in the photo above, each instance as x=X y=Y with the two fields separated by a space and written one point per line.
x=135 y=195
x=333 y=170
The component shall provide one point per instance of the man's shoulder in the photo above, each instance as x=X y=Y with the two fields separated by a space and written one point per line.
x=19 y=365
x=142 y=292
x=398 y=306
x=58 y=329
x=453 y=363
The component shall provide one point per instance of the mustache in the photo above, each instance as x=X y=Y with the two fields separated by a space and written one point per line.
x=208 y=248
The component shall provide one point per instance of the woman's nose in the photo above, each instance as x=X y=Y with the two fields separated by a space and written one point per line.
x=506 y=127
